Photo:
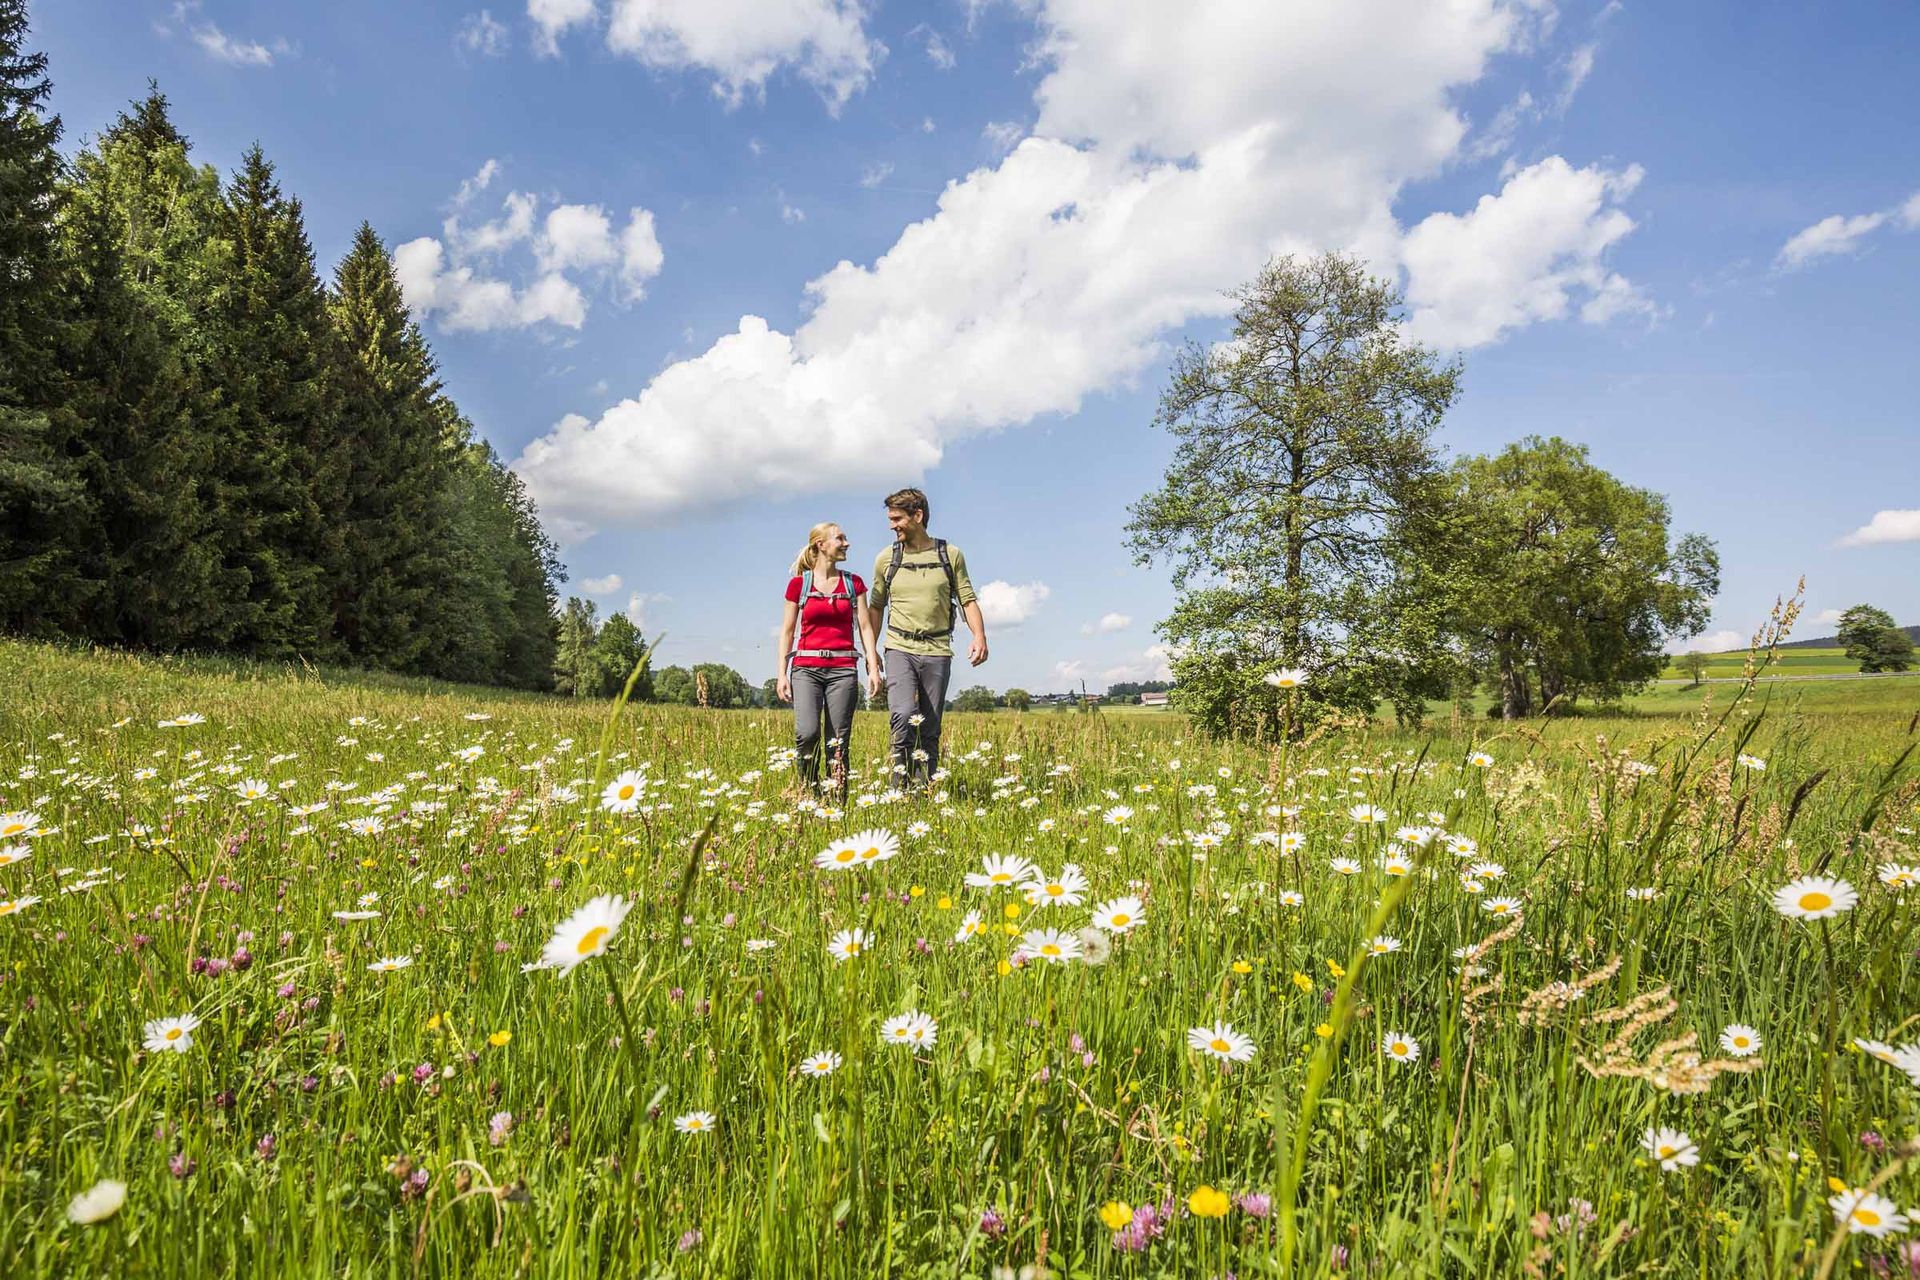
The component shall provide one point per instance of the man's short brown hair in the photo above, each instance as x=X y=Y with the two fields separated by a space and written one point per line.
x=909 y=500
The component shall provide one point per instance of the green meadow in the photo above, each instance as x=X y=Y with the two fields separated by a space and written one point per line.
x=1581 y=997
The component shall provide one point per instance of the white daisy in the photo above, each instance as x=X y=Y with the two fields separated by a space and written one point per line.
x=1382 y=944
x=1292 y=898
x=1898 y=875
x=1400 y=1047
x=586 y=932
x=1672 y=1148
x=848 y=943
x=695 y=1122
x=1221 y=1041
x=170 y=1034
x=12 y=906
x=1051 y=945
x=1814 y=898
x=1740 y=1040
x=390 y=964
x=624 y=793
x=914 y=1029
x=824 y=1063
x=1867 y=1213
x=971 y=927
x=1368 y=814
x=1286 y=678
x=999 y=870
x=14 y=853
x=872 y=846
x=1501 y=906
x=1344 y=867
x=1067 y=889
x=1119 y=915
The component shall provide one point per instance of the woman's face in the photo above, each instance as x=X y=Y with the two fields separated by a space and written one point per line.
x=834 y=545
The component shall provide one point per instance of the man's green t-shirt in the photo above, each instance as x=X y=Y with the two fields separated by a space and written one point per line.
x=918 y=598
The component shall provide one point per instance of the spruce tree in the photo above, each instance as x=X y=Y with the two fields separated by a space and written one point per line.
x=41 y=496
x=393 y=510
x=285 y=456
x=138 y=412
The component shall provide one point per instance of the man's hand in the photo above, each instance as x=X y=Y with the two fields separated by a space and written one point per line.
x=783 y=689
x=977 y=651
x=873 y=684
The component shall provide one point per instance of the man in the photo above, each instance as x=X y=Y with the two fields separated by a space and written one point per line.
x=920 y=582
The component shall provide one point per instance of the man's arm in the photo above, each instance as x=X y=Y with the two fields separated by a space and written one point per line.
x=977 y=651
x=970 y=609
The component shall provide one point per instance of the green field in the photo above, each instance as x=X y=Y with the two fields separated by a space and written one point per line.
x=1787 y=662
x=378 y=1085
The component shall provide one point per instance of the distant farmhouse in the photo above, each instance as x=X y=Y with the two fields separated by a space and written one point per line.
x=1154 y=699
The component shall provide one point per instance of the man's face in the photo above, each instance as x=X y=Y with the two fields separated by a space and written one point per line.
x=903 y=523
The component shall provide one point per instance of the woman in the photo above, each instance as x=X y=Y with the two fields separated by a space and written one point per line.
x=819 y=666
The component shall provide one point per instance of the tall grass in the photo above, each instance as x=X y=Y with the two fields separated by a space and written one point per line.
x=330 y=1120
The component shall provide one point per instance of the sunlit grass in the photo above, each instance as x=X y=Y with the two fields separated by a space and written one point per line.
x=460 y=1115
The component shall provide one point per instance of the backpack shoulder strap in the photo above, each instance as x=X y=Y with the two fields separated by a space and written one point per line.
x=953 y=581
x=893 y=567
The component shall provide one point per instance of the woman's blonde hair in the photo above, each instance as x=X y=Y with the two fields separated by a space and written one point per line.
x=811 y=552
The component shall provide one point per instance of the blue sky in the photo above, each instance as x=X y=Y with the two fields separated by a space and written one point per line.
x=711 y=270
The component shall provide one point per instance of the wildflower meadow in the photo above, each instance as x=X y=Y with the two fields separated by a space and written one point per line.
x=314 y=976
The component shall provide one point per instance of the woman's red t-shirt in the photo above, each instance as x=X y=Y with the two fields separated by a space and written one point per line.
x=826 y=624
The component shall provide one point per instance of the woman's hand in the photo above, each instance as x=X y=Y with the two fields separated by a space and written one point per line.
x=783 y=688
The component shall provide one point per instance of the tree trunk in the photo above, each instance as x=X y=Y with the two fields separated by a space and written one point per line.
x=1515 y=698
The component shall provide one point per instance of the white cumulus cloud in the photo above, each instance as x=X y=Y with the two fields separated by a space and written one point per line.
x=601 y=586
x=1886 y=526
x=1528 y=254
x=481 y=33
x=1108 y=622
x=1727 y=641
x=1829 y=236
x=639 y=605
x=1174 y=149
x=552 y=18
x=1843 y=234
x=742 y=43
x=1003 y=604
x=454 y=278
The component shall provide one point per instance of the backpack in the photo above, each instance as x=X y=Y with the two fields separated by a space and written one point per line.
x=808 y=591
x=953 y=589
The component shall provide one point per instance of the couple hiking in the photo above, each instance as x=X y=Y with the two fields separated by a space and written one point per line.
x=919 y=584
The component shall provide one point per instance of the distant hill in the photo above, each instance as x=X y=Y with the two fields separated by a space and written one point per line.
x=1833 y=642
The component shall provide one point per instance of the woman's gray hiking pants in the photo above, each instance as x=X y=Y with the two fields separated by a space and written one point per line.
x=834 y=691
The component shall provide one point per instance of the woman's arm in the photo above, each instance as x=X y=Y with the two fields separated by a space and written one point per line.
x=783 y=688
x=870 y=631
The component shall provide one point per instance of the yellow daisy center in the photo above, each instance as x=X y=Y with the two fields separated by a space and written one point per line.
x=1499 y=908
x=1741 y=1042
x=6 y=908
x=173 y=1033
x=1815 y=900
x=1399 y=1050
x=1219 y=1045
x=1000 y=877
x=1050 y=949
x=853 y=948
x=1866 y=1217
x=626 y=792
x=590 y=940
x=1120 y=918
x=871 y=852
x=844 y=855
x=1667 y=1152
x=1054 y=890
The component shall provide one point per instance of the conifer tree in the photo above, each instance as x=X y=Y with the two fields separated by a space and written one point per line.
x=138 y=412
x=283 y=461
x=393 y=508
x=41 y=497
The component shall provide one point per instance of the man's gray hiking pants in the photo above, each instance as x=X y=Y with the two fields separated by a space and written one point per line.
x=916 y=686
